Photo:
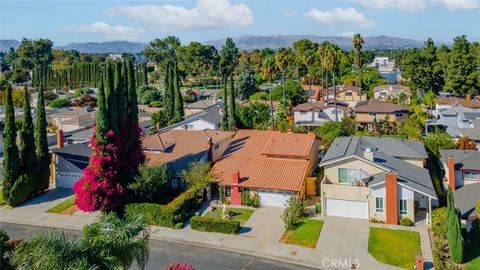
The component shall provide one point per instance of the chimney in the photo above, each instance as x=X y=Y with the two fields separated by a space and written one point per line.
x=236 y=177
x=368 y=154
x=419 y=262
x=391 y=193
x=60 y=142
x=467 y=97
x=451 y=173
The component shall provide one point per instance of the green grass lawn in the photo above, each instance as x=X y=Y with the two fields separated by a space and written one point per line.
x=473 y=258
x=395 y=247
x=2 y=201
x=239 y=214
x=66 y=207
x=306 y=234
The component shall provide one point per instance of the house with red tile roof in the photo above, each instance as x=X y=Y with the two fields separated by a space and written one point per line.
x=448 y=102
x=271 y=164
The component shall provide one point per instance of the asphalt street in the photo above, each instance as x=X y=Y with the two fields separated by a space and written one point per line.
x=162 y=253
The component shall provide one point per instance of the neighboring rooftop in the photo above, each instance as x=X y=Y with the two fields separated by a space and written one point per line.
x=266 y=159
x=78 y=154
x=373 y=105
x=211 y=115
x=180 y=147
x=466 y=197
x=465 y=102
x=464 y=159
x=396 y=88
x=318 y=106
x=201 y=104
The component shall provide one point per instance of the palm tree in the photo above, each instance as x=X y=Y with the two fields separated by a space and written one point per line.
x=308 y=58
x=108 y=244
x=357 y=42
x=269 y=71
x=282 y=59
x=331 y=63
x=322 y=53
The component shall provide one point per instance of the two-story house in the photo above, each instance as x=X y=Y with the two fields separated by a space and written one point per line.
x=377 y=178
x=462 y=175
x=393 y=91
x=315 y=114
x=372 y=110
x=346 y=93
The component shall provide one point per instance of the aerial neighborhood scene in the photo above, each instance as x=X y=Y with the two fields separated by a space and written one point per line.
x=231 y=134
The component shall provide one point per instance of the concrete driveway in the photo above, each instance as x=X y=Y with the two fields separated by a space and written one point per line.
x=346 y=240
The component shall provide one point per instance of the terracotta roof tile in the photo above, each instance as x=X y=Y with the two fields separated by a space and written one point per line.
x=266 y=160
x=472 y=103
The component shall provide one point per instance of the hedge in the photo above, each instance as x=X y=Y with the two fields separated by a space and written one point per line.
x=168 y=215
x=406 y=222
x=208 y=224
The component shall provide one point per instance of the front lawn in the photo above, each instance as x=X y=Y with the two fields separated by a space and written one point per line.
x=239 y=214
x=394 y=247
x=305 y=234
x=473 y=257
x=66 y=207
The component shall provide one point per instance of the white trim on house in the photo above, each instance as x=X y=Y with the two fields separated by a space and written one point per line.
x=357 y=157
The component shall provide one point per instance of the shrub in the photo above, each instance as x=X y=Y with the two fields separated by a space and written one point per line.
x=150 y=182
x=59 y=103
x=293 y=212
x=156 y=104
x=249 y=200
x=474 y=233
x=207 y=224
x=439 y=225
x=406 y=222
x=177 y=266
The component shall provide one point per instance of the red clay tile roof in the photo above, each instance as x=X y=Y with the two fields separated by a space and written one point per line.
x=266 y=160
x=373 y=105
x=473 y=103
x=171 y=145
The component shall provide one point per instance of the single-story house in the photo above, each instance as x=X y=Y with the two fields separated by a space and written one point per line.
x=199 y=106
x=210 y=118
x=385 y=91
x=444 y=102
x=74 y=118
x=68 y=163
x=369 y=111
x=462 y=175
x=177 y=148
x=377 y=178
x=271 y=164
x=315 y=114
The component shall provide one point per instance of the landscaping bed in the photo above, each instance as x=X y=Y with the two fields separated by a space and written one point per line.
x=66 y=207
x=305 y=234
x=239 y=214
x=394 y=247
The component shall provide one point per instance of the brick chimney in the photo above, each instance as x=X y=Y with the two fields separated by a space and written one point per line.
x=391 y=193
x=60 y=142
x=451 y=172
x=236 y=177
x=419 y=262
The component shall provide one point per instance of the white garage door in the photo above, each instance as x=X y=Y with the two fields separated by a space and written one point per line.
x=66 y=180
x=346 y=208
x=274 y=198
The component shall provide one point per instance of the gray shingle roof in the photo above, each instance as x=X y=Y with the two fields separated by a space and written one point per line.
x=78 y=154
x=466 y=198
x=464 y=159
x=386 y=153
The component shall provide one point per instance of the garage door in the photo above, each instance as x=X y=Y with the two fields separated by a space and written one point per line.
x=66 y=180
x=274 y=198
x=346 y=208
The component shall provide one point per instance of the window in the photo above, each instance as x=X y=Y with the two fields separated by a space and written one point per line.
x=372 y=114
x=228 y=191
x=379 y=205
x=246 y=190
x=398 y=114
x=189 y=127
x=303 y=112
x=348 y=93
x=468 y=175
x=174 y=183
x=216 y=146
x=403 y=207
x=383 y=94
x=346 y=176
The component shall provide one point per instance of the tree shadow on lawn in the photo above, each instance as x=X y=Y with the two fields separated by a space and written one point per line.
x=472 y=252
x=47 y=196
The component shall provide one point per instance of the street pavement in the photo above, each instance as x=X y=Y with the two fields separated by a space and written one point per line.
x=162 y=253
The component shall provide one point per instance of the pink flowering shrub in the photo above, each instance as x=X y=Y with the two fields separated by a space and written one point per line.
x=177 y=266
x=113 y=164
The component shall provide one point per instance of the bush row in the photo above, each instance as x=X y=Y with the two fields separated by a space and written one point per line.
x=208 y=224
x=169 y=215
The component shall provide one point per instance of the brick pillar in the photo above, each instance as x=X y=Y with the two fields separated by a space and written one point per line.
x=60 y=142
x=236 y=195
x=419 y=262
x=391 y=193
x=451 y=173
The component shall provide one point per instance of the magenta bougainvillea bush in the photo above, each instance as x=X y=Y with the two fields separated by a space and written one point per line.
x=177 y=266
x=113 y=165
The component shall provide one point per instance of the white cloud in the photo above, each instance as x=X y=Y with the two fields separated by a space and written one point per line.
x=346 y=17
x=207 y=14
x=288 y=13
x=108 y=32
x=420 y=5
x=346 y=34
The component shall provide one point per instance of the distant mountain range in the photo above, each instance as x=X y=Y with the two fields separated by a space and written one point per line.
x=243 y=42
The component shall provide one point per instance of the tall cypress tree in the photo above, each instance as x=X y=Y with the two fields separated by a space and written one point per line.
x=27 y=143
x=102 y=119
x=121 y=97
x=111 y=97
x=41 y=143
x=232 y=115
x=11 y=157
x=144 y=74
x=178 y=101
x=170 y=92
x=224 y=104
x=132 y=93
x=454 y=234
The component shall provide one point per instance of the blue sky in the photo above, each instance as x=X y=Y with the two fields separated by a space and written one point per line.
x=200 y=20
